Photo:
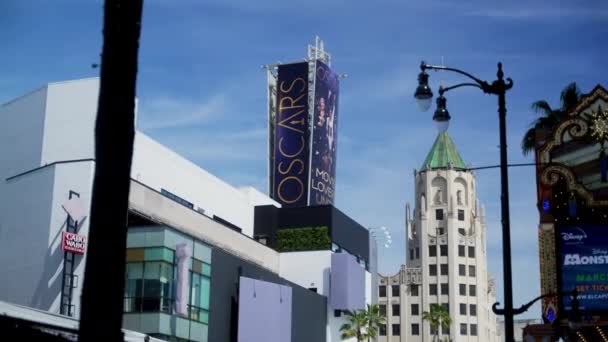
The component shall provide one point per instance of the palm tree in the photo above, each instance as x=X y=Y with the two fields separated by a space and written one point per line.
x=357 y=321
x=550 y=117
x=437 y=317
x=374 y=320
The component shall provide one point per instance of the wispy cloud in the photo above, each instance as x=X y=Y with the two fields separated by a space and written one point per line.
x=549 y=11
x=170 y=112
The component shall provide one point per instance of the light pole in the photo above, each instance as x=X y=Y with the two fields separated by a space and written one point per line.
x=498 y=87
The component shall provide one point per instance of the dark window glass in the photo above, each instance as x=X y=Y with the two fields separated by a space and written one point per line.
x=382 y=291
x=445 y=330
x=446 y=307
x=395 y=290
x=472 y=290
x=396 y=309
x=444 y=269
x=461 y=251
x=432 y=250
x=473 y=329
x=443 y=250
x=417 y=253
x=433 y=270
x=445 y=289
x=414 y=290
x=433 y=289
x=472 y=272
x=382 y=329
x=471 y=252
x=412 y=254
x=460 y=215
x=463 y=309
x=463 y=329
x=415 y=329
x=396 y=330
x=473 y=310
x=439 y=214
x=462 y=270
x=462 y=231
x=415 y=310
x=440 y=231
x=462 y=289
x=383 y=310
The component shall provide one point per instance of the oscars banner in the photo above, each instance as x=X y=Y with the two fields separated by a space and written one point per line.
x=324 y=136
x=291 y=138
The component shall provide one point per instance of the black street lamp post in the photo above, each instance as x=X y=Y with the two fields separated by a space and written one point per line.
x=498 y=87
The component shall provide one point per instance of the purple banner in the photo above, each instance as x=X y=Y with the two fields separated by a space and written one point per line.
x=324 y=136
x=291 y=138
x=182 y=290
x=347 y=289
x=264 y=311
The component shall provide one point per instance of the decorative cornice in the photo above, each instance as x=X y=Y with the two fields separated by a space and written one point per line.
x=598 y=92
x=551 y=175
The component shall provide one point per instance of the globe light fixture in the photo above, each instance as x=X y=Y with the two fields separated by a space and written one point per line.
x=441 y=116
x=423 y=93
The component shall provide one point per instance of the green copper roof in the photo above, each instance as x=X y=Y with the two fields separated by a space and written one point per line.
x=442 y=153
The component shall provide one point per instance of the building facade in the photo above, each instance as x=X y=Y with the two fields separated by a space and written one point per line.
x=572 y=201
x=194 y=271
x=446 y=260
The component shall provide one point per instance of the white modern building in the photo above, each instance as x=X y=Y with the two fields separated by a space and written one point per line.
x=446 y=261
x=179 y=214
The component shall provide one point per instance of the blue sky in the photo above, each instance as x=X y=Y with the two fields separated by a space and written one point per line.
x=202 y=91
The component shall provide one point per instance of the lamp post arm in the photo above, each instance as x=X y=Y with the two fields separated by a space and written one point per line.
x=525 y=307
x=425 y=66
x=444 y=89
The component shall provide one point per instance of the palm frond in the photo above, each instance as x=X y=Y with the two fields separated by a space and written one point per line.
x=543 y=108
x=569 y=97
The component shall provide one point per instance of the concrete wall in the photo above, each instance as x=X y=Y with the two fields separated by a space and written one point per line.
x=160 y=208
x=31 y=222
x=307 y=269
x=21 y=133
x=160 y=168
x=69 y=125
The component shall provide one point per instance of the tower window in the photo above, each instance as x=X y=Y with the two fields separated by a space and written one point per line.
x=461 y=251
x=433 y=270
x=433 y=289
x=472 y=272
x=382 y=291
x=414 y=290
x=444 y=269
x=460 y=215
x=395 y=290
x=471 y=252
x=463 y=309
x=462 y=270
x=432 y=250
x=462 y=231
x=443 y=250
x=445 y=289
x=439 y=214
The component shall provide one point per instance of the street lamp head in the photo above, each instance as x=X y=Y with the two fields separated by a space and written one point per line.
x=442 y=116
x=423 y=93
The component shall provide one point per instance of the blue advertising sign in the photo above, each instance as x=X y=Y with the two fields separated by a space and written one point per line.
x=291 y=142
x=324 y=136
x=584 y=265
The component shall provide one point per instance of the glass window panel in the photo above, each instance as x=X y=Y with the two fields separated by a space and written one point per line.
x=207 y=270
x=154 y=253
x=204 y=316
x=135 y=254
x=205 y=293
x=168 y=255
x=197 y=266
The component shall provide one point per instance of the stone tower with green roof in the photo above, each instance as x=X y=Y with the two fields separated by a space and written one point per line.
x=443 y=154
x=446 y=260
